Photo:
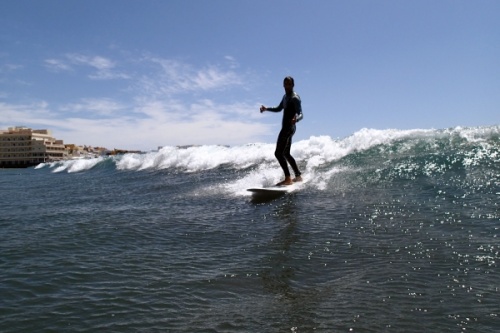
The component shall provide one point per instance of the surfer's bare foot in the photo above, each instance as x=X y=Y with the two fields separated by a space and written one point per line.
x=287 y=181
x=297 y=179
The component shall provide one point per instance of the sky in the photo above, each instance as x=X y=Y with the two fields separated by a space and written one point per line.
x=130 y=74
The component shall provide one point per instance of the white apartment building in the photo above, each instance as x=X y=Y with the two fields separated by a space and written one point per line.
x=21 y=147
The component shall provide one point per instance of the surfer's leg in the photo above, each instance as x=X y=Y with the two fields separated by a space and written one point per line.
x=291 y=160
x=293 y=164
x=281 y=159
x=281 y=147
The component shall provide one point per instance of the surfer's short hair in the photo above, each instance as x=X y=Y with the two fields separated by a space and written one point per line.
x=289 y=78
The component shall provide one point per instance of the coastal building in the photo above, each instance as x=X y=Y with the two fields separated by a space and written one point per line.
x=21 y=147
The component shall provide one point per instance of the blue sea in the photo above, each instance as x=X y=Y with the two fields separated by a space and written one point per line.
x=391 y=231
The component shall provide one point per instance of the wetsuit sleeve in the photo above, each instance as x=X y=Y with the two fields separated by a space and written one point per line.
x=277 y=108
x=298 y=108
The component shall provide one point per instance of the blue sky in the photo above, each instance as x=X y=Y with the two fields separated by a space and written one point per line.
x=141 y=74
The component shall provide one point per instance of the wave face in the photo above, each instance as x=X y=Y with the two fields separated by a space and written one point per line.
x=377 y=155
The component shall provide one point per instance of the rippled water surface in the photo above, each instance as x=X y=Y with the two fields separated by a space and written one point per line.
x=391 y=232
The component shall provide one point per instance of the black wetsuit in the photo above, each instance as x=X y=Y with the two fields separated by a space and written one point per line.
x=292 y=108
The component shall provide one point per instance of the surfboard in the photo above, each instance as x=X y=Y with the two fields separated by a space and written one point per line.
x=270 y=190
x=264 y=194
x=276 y=189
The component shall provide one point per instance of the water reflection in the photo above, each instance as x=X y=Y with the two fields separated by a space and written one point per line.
x=295 y=305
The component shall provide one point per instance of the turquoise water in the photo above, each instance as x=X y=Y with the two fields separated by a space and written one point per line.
x=392 y=231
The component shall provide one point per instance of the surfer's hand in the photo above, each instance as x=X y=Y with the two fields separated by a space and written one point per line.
x=262 y=108
x=294 y=120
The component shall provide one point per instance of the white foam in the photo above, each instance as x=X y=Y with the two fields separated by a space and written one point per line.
x=76 y=165
x=313 y=152
x=317 y=150
x=473 y=134
x=199 y=158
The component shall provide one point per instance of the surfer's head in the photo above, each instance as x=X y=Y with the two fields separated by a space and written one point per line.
x=288 y=84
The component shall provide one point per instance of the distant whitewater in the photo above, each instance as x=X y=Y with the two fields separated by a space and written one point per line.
x=392 y=231
x=414 y=152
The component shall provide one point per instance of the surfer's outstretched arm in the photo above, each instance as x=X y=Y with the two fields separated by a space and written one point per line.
x=273 y=109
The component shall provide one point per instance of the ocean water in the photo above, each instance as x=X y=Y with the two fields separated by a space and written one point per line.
x=392 y=231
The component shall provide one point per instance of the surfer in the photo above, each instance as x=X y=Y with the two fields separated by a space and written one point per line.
x=292 y=114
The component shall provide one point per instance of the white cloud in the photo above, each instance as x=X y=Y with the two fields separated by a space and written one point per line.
x=146 y=126
x=178 y=77
x=214 y=78
x=97 y=106
x=104 y=68
x=233 y=64
x=160 y=128
x=108 y=75
x=156 y=110
x=170 y=103
x=97 y=62
x=57 y=65
x=10 y=67
x=12 y=113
